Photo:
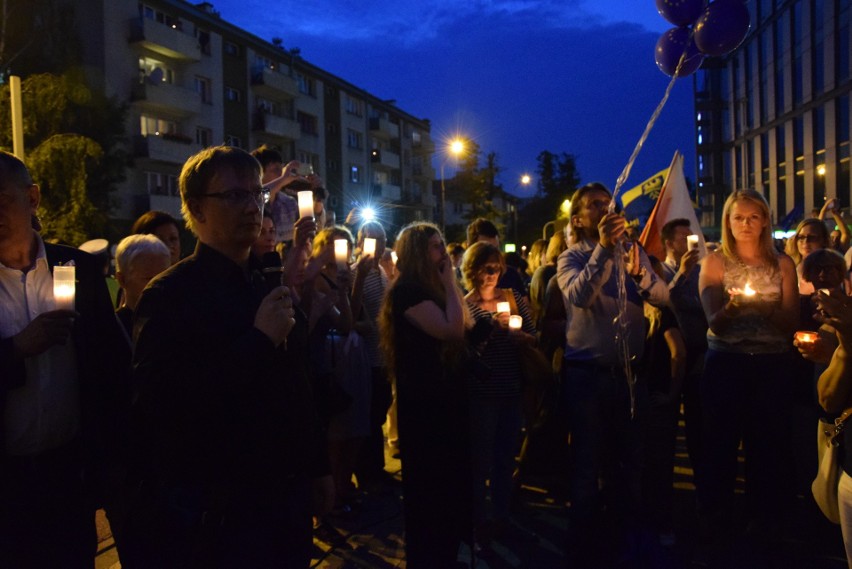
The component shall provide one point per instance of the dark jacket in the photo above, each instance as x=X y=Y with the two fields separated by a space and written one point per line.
x=103 y=359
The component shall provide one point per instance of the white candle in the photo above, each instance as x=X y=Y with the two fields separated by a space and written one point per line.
x=394 y=257
x=748 y=291
x=691 y=242
x=503 y=307
x=64 y=287
x=306 y=203
x=515 y=322
x=341 y=253
x=369 y=246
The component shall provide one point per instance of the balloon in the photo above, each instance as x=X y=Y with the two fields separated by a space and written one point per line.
x=671 y=46
x=680 y=12
x=722 y=27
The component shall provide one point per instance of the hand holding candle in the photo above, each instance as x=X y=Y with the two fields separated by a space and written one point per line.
x=64 y=287
x=503 y=307
x=515 y=323
x=804 y=337
x=369 y=247
x=691 y=242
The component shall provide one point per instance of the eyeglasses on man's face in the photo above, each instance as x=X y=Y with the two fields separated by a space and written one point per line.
x=236 y=197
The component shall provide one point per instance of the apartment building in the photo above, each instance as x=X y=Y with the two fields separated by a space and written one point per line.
x=775 y=114
x=193 y=80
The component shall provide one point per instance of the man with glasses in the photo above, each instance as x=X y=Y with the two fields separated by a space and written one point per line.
x=62 y=402
x=225 y=437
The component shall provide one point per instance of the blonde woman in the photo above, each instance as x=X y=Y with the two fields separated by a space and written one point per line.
x=422 y=331
x=746 y=385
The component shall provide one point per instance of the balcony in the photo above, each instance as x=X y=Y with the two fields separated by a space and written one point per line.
x=273 y=85
x=383 y=128
x=170 y=148
x=423 y=172
x=165 y=40
x=159 y=202
x=276 y=126
x=165 y=97
x=387 y=192
x=383 y=158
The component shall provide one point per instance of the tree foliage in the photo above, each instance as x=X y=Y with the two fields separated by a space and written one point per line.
x=558 y=179
x=476 y=187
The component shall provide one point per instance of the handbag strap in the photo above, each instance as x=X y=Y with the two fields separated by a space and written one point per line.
x=836 y=430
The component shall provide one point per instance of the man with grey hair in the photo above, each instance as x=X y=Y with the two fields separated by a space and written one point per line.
x=62 y=398
x=224 y=431
x=138 y=259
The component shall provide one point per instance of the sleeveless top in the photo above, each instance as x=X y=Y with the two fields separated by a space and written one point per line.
x=751 y=333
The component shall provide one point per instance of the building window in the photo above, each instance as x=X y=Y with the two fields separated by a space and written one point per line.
x=307 y=123
x=232 y=94
x=153 y=126
x=354 y=173
x=354 y=139
x=155 y=71
x=307 y=85
x=159 y=184
x=230 y=48
x=308 y=158
x=203 y=136
x=261 y=61
x=203 y=40
x=353 y=106
x=231 y=140
x=202 y=87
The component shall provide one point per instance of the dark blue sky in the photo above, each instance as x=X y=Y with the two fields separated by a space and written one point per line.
x=518 y=76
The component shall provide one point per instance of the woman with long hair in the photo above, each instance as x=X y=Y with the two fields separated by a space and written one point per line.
x=749 y=293
x=422 y=328
x=811 y=235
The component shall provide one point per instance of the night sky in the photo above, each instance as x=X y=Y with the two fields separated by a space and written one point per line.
x=517 y=76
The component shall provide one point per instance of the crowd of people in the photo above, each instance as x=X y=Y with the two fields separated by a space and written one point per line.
x=220 y=407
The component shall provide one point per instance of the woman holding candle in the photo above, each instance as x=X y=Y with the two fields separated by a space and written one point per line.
x=495 y=404
x=745 y=390
x=422 y=327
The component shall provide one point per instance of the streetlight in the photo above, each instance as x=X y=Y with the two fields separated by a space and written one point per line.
x=455 y=148
x=524 y=180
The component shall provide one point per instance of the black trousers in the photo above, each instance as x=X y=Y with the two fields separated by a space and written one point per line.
x=46 y=517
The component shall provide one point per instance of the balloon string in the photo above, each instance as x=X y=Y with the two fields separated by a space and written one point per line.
x=625 y=173
x=622 y=326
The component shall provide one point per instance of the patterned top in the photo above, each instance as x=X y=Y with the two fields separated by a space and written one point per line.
x=285 y=213
x=750 y=332
x=375 y=285
x=501 y=356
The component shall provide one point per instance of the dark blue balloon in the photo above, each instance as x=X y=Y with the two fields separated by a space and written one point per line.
x=671 y=46
x=680 y=12
x=722 y=27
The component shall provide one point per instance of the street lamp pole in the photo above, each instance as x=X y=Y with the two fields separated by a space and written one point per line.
x=443 y=200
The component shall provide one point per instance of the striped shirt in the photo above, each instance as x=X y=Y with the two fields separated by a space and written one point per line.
x=375 y=285
x=501 y=355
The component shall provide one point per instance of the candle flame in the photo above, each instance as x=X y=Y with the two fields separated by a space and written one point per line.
x=748 y=291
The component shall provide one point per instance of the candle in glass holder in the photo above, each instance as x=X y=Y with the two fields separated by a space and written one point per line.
x=503 y=307
x=394 y=257
x=306 y=203
x=691 y=242
x=515 y=322
x=806 y=337
x=369 y=246
x=341 y=253
x=64 y=287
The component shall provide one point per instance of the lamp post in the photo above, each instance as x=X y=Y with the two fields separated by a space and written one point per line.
x=455 y=148
x=524 y=180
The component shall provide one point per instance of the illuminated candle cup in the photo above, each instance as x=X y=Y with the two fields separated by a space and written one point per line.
x=691 y=242
x=64 y=287
x=806 y=337
x=515 y=322
x=306 y=203
x=748 y=291
x=503 y=307
x=341 y=253
x=369 y=246
x=394 y=257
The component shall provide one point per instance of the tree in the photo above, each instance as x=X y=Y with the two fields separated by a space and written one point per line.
x=558 y=179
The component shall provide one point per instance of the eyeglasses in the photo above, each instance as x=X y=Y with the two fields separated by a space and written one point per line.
x=811 y=238
x=237 y=197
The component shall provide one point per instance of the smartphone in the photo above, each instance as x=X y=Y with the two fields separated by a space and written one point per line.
x=305 y=169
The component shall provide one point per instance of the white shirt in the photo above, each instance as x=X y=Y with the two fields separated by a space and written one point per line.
x=45 y=412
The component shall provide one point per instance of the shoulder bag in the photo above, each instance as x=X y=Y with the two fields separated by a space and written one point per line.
x=824 y=486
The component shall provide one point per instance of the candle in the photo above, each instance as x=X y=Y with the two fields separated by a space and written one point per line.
x=369 y=246
x=748 y=291
x=341 y=253
x=64 y=287
x=306 y=203
x=691 y=242
x=515 y=322
x=805 y=337
x=394 y=257
x=503 y=307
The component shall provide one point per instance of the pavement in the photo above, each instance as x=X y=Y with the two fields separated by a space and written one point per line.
x=371 y=536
